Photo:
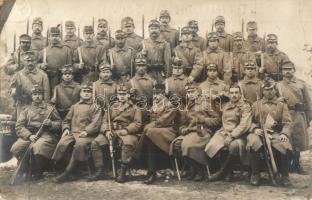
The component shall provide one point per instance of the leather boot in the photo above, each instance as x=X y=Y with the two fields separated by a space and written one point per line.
x=98 y=175
x=284 y=170
x=39 y=163
x=97 y=155
x=200 y=175
x=66 y=175
x=254 y=159
x=121 y=178
x=191 y=172
x=296 y=167
x=150 y=179
x=218 y=175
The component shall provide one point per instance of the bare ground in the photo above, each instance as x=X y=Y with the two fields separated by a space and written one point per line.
x=171 y=189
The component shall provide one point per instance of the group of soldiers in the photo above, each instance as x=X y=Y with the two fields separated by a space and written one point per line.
x=206 y=102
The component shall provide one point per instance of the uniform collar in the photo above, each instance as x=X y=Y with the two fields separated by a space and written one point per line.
x=35 y=37
x=70 y=84
x=214 y=82
x=141 y=77
x=185 y=45
x=266 y=101
x=253 y=38
x=124 y=48
x=41 y=105
x=196 y=37
x=293 y=80
x=217 y=50
x=89 y=102
x=59 y=45
x=34 y=71
x=101 y=37
x=165 y=28
x=70 y=38
x=181 y=77
x=109 y=82
x=223 y=34
x=89 y=45
x=132 y=35
x=238 y=104
x=253 y=80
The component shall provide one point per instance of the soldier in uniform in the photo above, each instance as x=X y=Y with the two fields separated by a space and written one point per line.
x=24 y=80
x=15 y=62
x=168 y=33
x=159 y=133
x=104 y=89
x=38 y=41
x=28 y=123
x=272 y=114
x=230 y=140
x=214 y=54
x=254 y=43
x=121 y=122
x=71 y=39
x=295 y=92
x=54 y=57
x=199 y=122
x=175 y=85
x=213 y=87
x=197 y=40
x=273 y=59
x=239 y=55
x=251 y=86
x=88 y=56
x=102 y=37
x=80 y=126
x=158 y=53
x=67 y=92
x=225 y=39
x=132 y=39
x=190 y=55
x=121 y=58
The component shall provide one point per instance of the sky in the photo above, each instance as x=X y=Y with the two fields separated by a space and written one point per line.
x=291 y=20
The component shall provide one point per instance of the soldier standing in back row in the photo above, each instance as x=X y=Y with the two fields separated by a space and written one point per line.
x=102 y=37
x=88 y=57
x=198 y=41
x=167 y=33
x=54 y=57
x=157 y=52
x=225 y=39
x=121 y=58
x=71 y=39
x=38 y=41
x=132 y=39
x=254 y=43
x=295 y=93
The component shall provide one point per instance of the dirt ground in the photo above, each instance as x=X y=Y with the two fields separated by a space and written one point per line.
x=171 y=189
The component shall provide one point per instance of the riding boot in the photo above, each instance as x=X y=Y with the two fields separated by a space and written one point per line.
x=66 y=175
x=254 y=159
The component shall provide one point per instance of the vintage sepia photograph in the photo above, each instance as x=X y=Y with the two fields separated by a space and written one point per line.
x=160 y=100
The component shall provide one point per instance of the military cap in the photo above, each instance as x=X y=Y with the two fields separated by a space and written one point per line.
x=87 y=85
x=177 y=62
x=120 y=34
x=238 y=36
x=122 y=89
x=288 y=65
x=250 y=63
x=24 y=38
x=154 y=23
x=67 y=69
x=186 y=30
x=252 y=25
x=271 y=38
x=140 y=59
x=36 y=89
x=37 y=20
x=102 y=21
x=212 y=35
x=268 y=83
x=211 y=66
x=159 y=88
x=70 y=23
x=29 y=54
x=88 y=29
x=127 y=21
x=104 y=67
x=190 y=86
x=219 y=19
x=192 y=23
x=55 y=31
x=164 y=13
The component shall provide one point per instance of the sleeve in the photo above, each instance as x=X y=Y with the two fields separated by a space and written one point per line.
x=231 y=41
x=198 y=66
x=56 y=120
x=104 y=125
x=227 y=68
x=10 y=66
x=102 y=55
x=96 y=120
x=20 y=126
x=245 y=122
x=255 y=122
x=66 y=124
x=54 y=96
x=166 y=118
x=307 y=102
x=177 y=38
x=134 y=127
x=214 y=119
x=46 y=87
x=286 y=121
x=167 y=57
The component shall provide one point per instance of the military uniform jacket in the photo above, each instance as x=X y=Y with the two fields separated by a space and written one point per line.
x=65 y=95
x=123 y=116
x=123 y=61
x=38 y=42
x=104 y=41
x=254 y=44
x=274 y=61
x=73 y=42
x=171 y=35
x=199 y=42
x=213 y=87
x=239 y=57
x=105 y=90
x=190 y=56
x=176 y=85
x=158 y=55
x=251 y=89
x=225 y=42
x=134 y=41
x=218 y=57
x=83 y=116
x=25 y=80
